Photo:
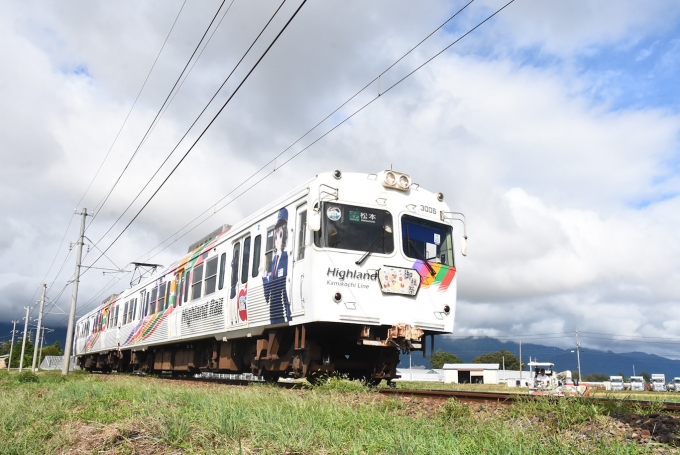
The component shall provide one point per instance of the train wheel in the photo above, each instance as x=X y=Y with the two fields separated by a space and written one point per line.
x=271 y=377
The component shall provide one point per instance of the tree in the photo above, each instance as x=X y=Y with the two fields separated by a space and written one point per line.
x=16 y=354
x=646 y=375
x=595 y=377
x=439 y=358
x=511 y=361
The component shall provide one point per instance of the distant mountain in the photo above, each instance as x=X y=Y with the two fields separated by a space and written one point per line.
x=592 y=361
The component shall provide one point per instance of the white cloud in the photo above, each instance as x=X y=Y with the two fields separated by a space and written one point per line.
x=555 y=186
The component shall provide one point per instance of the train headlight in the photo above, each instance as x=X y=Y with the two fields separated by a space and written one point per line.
x=397 y=180
x=404 y=181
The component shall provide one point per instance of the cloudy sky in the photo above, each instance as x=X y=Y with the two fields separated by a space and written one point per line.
x=554 y=127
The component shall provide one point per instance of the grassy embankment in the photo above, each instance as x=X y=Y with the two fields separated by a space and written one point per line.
x=125 y=414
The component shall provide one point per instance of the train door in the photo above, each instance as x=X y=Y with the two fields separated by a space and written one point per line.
x=299 y=246
x=238 y=293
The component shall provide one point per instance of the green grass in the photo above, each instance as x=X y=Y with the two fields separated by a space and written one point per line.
x=125 y=414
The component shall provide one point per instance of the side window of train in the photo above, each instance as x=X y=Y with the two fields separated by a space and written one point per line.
x=167 y=293
x=142 y=299
x=152 y=304
x=187 y=274
x=257 y=251
x=210 y=276
x=223 y=263
x=269 y=250
x=246 y=260
x=302 y=234
x=134 y=310
x=125 y=312
x=234 y=268
x=161 y=296
x=196 y=282
x=177 y=289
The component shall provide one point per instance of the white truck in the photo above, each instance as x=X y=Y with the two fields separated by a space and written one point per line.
x=616 y=382
x=658 y=383
x=637 y=383
x=674 y=385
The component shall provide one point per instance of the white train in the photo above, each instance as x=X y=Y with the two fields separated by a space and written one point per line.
x=339 y=275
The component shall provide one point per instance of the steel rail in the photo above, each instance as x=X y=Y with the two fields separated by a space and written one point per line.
x=508 y=398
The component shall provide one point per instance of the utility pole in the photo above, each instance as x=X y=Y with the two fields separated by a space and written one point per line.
x=11 y=346
x=578 y=357
x=37 y=333
x=42 y=343
x=520 y=362
x=23 y=344
x=74 y=297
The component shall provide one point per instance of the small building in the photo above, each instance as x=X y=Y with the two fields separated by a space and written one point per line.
x=420 y=375
x=4 y=360
x=471 y=373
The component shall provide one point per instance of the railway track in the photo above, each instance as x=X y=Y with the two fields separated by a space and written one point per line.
x=461 y=395
x=509 y=398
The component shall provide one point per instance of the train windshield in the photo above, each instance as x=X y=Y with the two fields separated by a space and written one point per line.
x=424 y=239
x=349 y=227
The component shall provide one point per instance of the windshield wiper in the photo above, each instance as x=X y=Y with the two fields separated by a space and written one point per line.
x=422 y=258
x=370 y=248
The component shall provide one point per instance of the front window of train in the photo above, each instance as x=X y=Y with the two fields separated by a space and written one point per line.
x=350 y=227
x=424 y=239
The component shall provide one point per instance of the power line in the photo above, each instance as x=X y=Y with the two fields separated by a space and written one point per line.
x=107 y=155
x=204 y=131
x=321 y=137
x=304 y=135
x=148 y=131
x=133 y=105
x=194 y=122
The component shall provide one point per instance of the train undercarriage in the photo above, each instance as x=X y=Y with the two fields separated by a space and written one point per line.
x=369 y=353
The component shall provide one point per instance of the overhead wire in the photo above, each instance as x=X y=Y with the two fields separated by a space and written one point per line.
x=376 y=78
x=108 y=153
x=203 y=132
x=198 y=117
x=100 y=205
x=321 y=137
x=133 y=104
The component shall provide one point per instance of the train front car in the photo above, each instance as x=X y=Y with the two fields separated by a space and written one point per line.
x=337 y=276
x=379 y=274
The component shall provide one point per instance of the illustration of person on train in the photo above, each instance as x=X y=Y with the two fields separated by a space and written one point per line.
x=274 y=281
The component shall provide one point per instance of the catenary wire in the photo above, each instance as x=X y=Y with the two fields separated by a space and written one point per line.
x=364 y=106
x=194 y=123
x=203 y=132
x=368 y=103
x=146 y=134
x=109 y=151
x=133 y=104
x=194 y=64
x=304 y=135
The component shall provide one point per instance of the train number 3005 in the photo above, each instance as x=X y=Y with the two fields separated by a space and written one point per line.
x=432 y=210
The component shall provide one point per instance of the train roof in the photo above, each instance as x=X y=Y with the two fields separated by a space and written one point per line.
x=225 y=232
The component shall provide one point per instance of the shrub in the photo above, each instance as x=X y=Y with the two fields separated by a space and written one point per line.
x=27 y=376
